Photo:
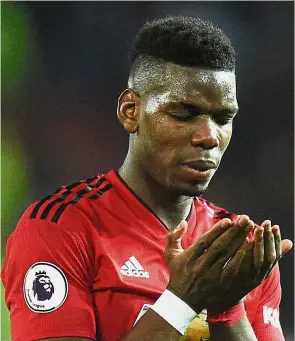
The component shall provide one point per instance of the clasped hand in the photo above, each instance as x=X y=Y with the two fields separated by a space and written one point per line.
x=224 y=264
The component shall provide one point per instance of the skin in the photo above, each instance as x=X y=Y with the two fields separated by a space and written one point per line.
x=188 y=115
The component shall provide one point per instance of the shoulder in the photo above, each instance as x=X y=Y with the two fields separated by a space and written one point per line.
x=69 y=212
x=61 y=225
x=78 y=194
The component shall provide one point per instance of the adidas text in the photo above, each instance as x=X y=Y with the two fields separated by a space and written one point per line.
x=133 y=268
x=135 y=273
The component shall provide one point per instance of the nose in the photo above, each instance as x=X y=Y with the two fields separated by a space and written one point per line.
x=205 y=133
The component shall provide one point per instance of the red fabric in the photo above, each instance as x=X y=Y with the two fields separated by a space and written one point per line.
x=230 y=316
x=266 y=323
x=90 y=243
x=67 y=246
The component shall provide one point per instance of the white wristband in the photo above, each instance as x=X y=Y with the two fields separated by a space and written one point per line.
x=175 y=311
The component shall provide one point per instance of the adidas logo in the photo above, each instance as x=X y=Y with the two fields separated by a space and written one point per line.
x=133 y=268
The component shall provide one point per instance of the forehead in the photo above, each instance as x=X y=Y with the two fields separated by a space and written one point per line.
x=197 y=86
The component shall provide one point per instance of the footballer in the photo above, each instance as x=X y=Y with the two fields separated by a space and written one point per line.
x=138 y=254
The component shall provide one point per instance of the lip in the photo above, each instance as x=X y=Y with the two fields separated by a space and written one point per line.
x=199 y=165
x=198 y=169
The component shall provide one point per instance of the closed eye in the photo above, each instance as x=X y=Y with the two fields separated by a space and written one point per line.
x=182 y=112
x=185 y=112
x=181 y=117
x=224 y=118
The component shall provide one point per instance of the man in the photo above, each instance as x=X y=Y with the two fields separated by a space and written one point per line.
x=138 y=254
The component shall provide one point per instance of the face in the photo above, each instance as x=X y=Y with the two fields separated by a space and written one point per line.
x=185 y=126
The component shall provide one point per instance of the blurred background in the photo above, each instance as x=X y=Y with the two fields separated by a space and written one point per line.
x=64 y=64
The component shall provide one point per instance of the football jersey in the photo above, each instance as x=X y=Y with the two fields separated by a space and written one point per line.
x=88 y=261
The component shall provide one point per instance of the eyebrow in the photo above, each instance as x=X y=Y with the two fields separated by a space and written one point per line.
x=195 y=107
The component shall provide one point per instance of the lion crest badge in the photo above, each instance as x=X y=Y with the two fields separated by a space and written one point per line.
x=45 y=287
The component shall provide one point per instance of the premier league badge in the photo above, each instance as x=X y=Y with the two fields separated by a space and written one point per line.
x=45 y=287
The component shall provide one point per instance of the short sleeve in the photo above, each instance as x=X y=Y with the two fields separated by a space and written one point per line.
x=267 y=325
x=47 y=276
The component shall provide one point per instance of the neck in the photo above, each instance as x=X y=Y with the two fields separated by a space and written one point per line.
x=168 y=206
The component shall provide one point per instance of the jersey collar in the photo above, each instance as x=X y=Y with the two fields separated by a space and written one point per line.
x=140 y=209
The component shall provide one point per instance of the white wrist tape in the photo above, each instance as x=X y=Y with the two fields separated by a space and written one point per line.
x=175 y=311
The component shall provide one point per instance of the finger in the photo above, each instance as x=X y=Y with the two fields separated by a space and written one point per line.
x=277 y=240
x=179 y=231
x=173 y=240
x=232 y=267
x=247 y=263
x=266 y=223
x=269 y=252
x=227 y=244
x=235 y=219
x=269 y=247
x=258 y=251
x=204 y=242
x=237 y=271
x=282 y=246
x=239 y=240
x=286 y=246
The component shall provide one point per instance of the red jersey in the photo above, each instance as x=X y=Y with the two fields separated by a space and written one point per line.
x=84 y=261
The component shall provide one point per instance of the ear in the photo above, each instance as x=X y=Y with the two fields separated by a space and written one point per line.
x=128 y=110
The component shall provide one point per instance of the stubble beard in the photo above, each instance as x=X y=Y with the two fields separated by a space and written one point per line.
x=196 y=191
x=189 y=190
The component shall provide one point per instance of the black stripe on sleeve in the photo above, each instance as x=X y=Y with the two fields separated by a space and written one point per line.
x=67 y=191
x=78 y=197
x=62 y=207
x=99 y=182
x=50 y=206
x=88 y=181
x=41 y=202
x=100 y=192
x=37 y=207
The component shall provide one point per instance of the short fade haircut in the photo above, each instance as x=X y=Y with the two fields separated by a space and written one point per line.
x=185 y=41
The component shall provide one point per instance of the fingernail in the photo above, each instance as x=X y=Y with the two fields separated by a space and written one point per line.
x=225 y=223
x=275 y=229
x=259 y=231
x=266 y=224
x=243 y=221
x=250 y=225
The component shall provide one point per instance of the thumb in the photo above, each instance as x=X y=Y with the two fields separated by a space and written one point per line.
x=286 y=246
x=173 y=242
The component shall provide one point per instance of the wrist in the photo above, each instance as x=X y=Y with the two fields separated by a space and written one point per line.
x=228 y=317
x=174 y=311
x=197 y=307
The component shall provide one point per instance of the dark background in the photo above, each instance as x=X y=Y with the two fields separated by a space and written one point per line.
x=64 y=65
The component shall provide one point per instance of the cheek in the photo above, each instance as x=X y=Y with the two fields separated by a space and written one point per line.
x=168 y=132
x=156 y=129
x=160 y=138
x=225 y=136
